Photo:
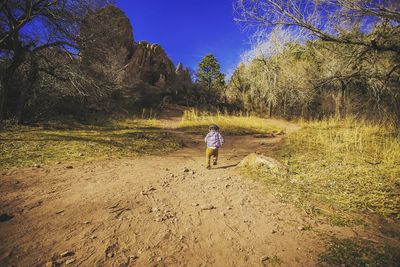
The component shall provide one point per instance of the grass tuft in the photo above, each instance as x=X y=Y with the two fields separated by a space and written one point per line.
x=194 y=121
x=358 y=252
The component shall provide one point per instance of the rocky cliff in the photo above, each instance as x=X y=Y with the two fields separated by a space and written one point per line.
x=108 y=49
x=149 y=63
x=106 y=43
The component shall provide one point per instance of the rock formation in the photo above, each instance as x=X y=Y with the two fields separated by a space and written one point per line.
x=183 y=74
x=106 y=42
x=149 y=63
x=107 y=48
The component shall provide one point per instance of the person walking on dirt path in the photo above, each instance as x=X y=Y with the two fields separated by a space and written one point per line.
x=214 y=141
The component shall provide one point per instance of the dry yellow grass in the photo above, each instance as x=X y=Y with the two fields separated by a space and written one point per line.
x=374 y=142
x=339 y=168
x=195 y=121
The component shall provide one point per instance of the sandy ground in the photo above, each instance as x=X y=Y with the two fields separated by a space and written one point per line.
x=153 y=211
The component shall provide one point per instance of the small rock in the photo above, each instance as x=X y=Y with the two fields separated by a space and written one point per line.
x=228 y=208
x=49 y=264
x=273 y=231
x=294 y=181
x=155 y=209
x=186 y=169
x=67 y=253
x=5 y=217
x=70 y=261
x=300 y=228
x=93 y=237
x=195 y=204
x=59 y=211
x=298 y=248
x=193 y=172
x=58 y=162
x=86 y=222
x=110 y=255
x=264 y=258
x=81 y=155
x=207 y=207
x=222 y=214
x=58 y=262
x=167 y=169
x=159 y=219
x=134 y=257
x=37 y=166
x=69 y=167
x=159 y=259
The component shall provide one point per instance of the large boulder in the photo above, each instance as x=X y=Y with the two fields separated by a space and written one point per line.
x=260 y=161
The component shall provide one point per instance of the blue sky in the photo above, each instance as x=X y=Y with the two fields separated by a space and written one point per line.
x=189 y=29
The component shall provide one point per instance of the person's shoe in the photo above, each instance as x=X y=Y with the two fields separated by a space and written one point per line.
x=208 y=167
x=214 y=163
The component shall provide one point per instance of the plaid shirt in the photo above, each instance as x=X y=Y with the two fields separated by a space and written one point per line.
x=214 y=139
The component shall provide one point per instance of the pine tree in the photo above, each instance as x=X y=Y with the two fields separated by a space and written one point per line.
x=209 y=75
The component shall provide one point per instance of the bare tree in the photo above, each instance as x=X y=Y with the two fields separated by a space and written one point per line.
x=328 y=20
x=31 y=26
x=363 y=36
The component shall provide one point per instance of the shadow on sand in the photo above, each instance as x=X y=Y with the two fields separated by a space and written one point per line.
x=227 y=166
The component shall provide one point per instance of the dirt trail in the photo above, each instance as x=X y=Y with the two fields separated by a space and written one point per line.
x=152 y=211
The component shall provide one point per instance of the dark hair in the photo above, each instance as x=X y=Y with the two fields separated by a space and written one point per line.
x=213 y=127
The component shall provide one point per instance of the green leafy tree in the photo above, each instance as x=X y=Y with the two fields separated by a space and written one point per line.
x=209 y=75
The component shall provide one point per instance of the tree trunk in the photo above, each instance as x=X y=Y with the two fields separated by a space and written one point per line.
x=32 y=77
x=343 y=99
x=269 y=109
x=338 y=101
x=2 y=99
x=21 y=104
x=304 y=111
x=5 y=85
x=284 y=107
x=396 y=101
x=18 y=58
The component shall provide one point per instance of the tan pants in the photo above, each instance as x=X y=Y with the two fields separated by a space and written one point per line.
x=209 y=153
